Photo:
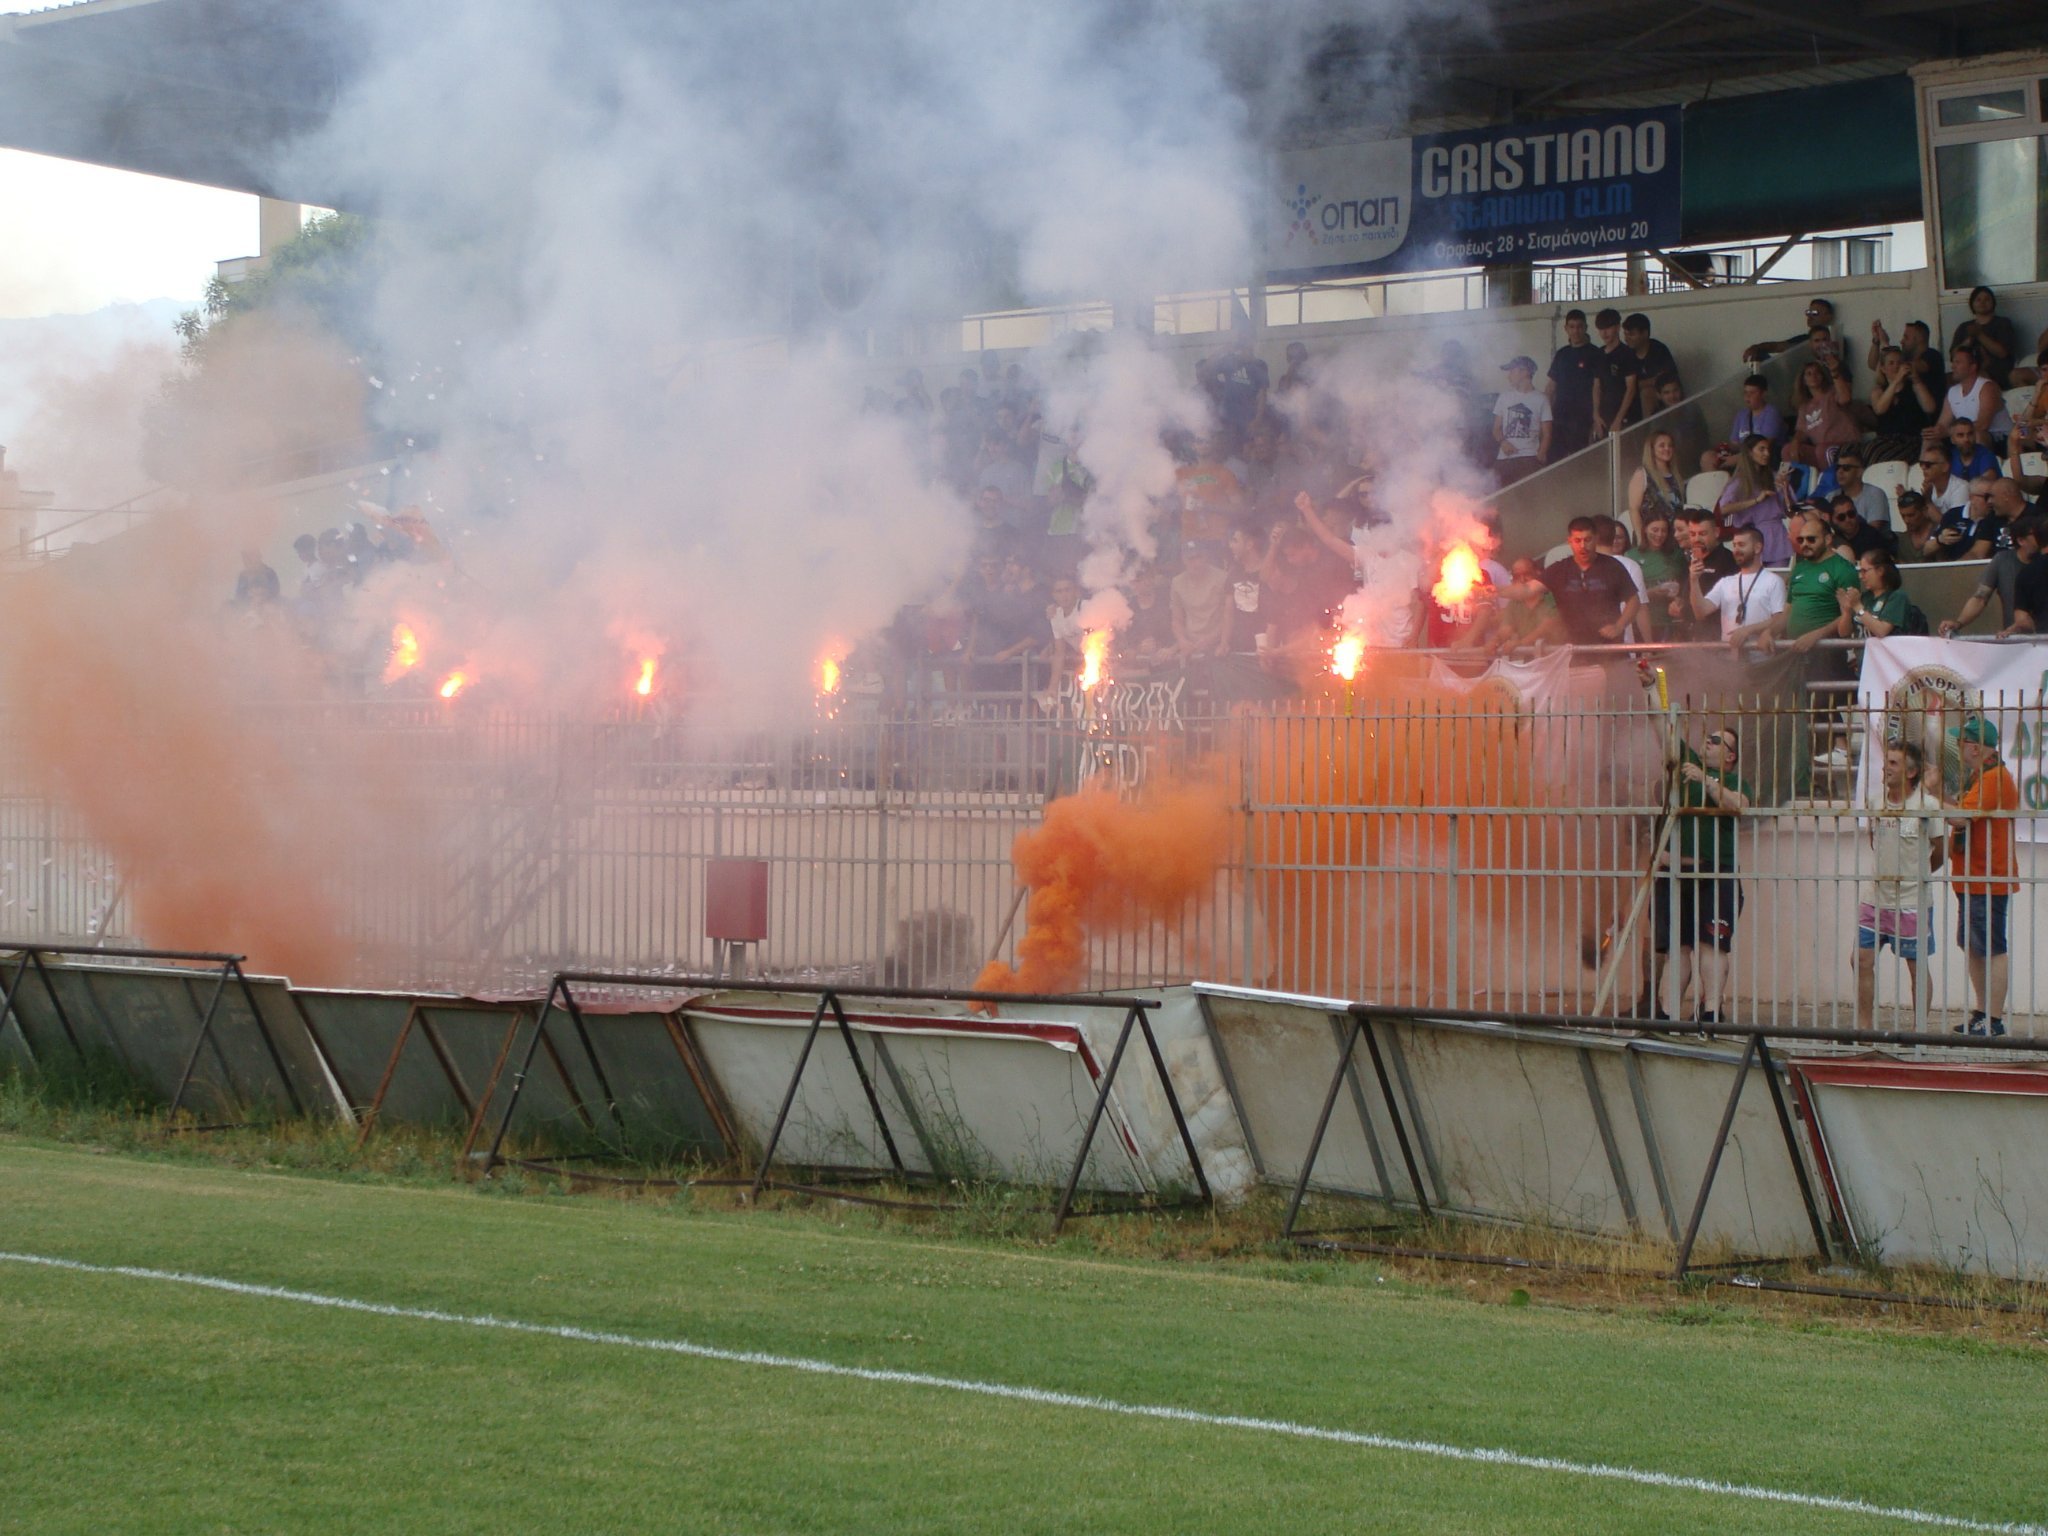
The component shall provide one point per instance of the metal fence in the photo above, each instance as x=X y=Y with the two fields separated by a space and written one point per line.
x=1418 y=844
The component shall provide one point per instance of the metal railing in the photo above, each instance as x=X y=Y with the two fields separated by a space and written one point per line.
x=1425 y=847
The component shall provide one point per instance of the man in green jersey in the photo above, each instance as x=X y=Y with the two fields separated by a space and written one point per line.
x=1697 y=898
x=1812 y=611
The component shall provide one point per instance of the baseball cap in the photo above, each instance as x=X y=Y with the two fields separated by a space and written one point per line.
x=1979 y=730
x=1518 y=362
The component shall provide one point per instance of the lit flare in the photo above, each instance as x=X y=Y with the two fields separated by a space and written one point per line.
x=1346 y=654
x=1094 y=659
x=644 y=684
x=405 y=653
x=1460 y=576
x=453 y=684
x=829 y=675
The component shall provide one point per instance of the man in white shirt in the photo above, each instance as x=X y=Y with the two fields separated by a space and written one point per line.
x=1896 y=905
x=1521 y=423
x=1943 y=489
x=1746 y=599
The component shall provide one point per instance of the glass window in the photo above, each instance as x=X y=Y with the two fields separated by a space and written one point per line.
x=2001 y=106
x=1994 y=211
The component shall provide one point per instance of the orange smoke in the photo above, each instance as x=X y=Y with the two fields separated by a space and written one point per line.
x=1460 y=576
x=405 y=652
x=1102 y=863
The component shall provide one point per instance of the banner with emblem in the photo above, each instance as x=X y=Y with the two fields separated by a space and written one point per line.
x=1922 y=690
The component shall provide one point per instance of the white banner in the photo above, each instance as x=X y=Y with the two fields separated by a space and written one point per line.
x=1540 y=684
x=1922 y=689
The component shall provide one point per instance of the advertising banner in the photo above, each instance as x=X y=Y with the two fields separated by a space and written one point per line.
x=1923 y=690
x=1517 y=192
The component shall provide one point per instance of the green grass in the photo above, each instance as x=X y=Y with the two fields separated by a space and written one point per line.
x=134 y=1405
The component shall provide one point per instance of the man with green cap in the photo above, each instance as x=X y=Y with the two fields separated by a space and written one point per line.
x=1983 y=860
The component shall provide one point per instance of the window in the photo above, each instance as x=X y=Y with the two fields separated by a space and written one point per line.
x=1991 y=182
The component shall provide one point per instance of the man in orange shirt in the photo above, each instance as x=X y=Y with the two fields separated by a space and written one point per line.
x=1983 y=863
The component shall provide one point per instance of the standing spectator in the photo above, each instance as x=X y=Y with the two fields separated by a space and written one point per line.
x=1906 y=835
x=307 y=548
x=1061 y=637
x=1573 y=385
x=1854 y=536
x=1248 y=620
x=1903 y=406
x=1595 y=594
x=1747 y=602
x=1211 y=495
x=1684 y=420
x=1201 y=603
x=2012 y=576
x=1652 y=361
x=1298 y=378
x=1872 y=503
x=1616 y=376
x=1821 y=423
x=1658 y=485
x=1967 y=455
x=1521 y=424
x=1982 y=862
x=1918 y=523
x=1700 y=542
x=1813 y=612
x=1971 y=397
x=1697 y=898
x=1511 y=623
x=256 y=586
x=1881 y=608
x=1383 y=565
x=1991 y=334
x=1236 y=383
x=1663 y=565
x=1755 y=497
x=1146 y=644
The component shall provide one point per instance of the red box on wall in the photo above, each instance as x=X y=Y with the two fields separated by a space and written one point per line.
x=736 y=900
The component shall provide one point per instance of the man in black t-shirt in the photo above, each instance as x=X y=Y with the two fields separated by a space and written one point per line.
x=1699 y=533
x=1595 y=595
x=1573 y=385
x=1653 y=360
x=1615 y=375
x=1853 y=536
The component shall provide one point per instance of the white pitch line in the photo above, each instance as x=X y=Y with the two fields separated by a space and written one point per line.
x=1040 y=1395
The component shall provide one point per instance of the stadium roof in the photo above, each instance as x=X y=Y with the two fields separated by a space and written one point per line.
x=204 y=90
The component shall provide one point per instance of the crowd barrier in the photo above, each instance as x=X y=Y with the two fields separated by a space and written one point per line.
x=1765 y=1145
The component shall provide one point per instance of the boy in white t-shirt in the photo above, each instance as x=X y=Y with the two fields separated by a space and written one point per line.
x=1896 y=905
x=1521 y=423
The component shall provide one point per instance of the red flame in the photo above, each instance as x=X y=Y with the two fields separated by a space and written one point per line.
x=405 y=652
x=453 y=684
x=1346 y=654
x=1460 y=576
x=644 y=684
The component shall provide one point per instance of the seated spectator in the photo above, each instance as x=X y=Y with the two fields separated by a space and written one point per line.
x=1757 y=418
x=2038 y=373
x=2004 y=507
x=1595 y=593
x=1918 y=521
x=1916 y=346
x=1653 y=360
x=1967 y=456
x=1745 y=603
x=1903 y=406
x=1756 y=497
x=1872 y=503
x=256 y=585
x=1879 y=607
x=2029 y=436
x=1992 y=336
x=1658 y=485
x=1821 y=421
x=1211 y=494
x=1971 y=397
x=1521 y=424
x=1855 y=536
x=1146 y=643
x=1663 y=565
x=1945 y=491
x=1956 y=534
x=1201 y=603
x=1820 y=316
x=2002 y=578
x=1573 y=387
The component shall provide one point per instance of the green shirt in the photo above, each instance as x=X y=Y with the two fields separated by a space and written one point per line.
x=1658 y=567
x=1889 y=606
x=1705 y=831
x=1810 y=588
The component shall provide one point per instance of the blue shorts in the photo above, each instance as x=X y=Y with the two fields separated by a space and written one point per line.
x=1981 y=923
x=1910 y=933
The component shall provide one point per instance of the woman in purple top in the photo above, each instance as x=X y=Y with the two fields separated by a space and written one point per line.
x=1755 y=498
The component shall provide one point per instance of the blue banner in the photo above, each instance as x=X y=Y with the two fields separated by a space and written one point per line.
x=1513 y=193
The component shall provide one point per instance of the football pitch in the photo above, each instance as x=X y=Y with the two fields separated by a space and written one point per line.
x=223 y=1350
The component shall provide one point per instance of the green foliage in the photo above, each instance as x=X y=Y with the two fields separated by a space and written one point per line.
x=326 y=275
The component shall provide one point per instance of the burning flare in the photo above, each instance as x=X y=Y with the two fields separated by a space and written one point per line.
x=1460 y=576
x=828 y=668
x=454 y=684
x=1094 y=655
x=1346 y=654
x=405 y=652
x=644 y=684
